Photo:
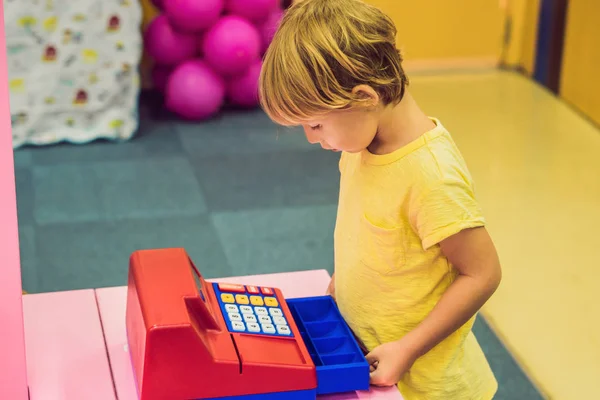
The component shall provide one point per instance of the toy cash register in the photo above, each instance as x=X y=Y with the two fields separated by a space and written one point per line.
x=191 y=339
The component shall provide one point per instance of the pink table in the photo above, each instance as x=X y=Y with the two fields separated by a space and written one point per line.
x=66 y=355
x=77 y=346
x=111 y=304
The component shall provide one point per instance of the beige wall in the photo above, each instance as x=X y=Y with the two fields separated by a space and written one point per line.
x=580 y=75
x=520 y=50
x=446 y=30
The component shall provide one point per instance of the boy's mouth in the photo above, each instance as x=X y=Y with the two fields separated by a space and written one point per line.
x=329 y=148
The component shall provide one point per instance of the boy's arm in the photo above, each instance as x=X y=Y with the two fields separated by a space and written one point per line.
x=473 y=254
x=331 y=288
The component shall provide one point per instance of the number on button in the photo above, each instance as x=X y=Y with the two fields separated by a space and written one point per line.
x=246 y=310
x=256 y=300
x=264 y=319
x=238 y=326
x=231 y=308
x=268 y=328
x=227 y=298
x=252 y=289
x=261 y=311
x=241 y=299
x=276 y=312
x=235 y=317
x=267 y=291
x=283 y=330
x=253 y=327
x=249 y=317
x=271 y=301
x=279 y=321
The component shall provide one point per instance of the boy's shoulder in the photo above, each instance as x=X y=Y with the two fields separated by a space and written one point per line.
x=432 y=162
x=432 y=156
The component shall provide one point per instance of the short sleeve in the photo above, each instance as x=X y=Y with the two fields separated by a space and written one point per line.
x=445 y=208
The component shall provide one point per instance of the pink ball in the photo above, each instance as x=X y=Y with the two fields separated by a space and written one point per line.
x=254 y=10
x=199 y=44
x=160 y=76
x=231 y=45
x=243 y=90
x=167 y=46
x=194 y=91
x=269 y=27
x=193 y=15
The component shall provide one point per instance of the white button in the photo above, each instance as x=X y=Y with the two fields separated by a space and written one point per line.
x=261 y=311
x=235 y=317
x=279 y=321
x=246 y=310
x=283 y=329
x=231 y=308
x=249 y=317
x=253 y=327
x=238 y=326
x=264 y=319
x=268 y=328
x=276 y=312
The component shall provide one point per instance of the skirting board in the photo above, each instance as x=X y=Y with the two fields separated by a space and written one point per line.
x=449 y=65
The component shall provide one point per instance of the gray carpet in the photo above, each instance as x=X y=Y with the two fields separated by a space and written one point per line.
x=240 y=194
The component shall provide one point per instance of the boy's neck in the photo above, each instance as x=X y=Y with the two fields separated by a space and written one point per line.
x=399 y=125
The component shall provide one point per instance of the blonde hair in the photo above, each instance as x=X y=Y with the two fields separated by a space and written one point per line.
x=321 y=51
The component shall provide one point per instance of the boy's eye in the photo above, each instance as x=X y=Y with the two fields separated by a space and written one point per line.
x=315 y=127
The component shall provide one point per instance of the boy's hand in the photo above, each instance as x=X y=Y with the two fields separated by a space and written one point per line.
x=331 y=288
x=389 y=362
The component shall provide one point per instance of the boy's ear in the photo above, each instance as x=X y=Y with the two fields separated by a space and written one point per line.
x=366 y=92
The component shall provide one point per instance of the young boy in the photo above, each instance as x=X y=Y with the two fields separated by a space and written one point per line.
x=413 y=260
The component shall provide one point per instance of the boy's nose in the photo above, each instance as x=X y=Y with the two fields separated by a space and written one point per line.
x=311 y=136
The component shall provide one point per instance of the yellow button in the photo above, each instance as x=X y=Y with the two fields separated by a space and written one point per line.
x=227 y=298
x=241 y=299
x=256 y=300
x=271 y=301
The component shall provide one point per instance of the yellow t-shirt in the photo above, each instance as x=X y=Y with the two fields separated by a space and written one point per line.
x=393 y=211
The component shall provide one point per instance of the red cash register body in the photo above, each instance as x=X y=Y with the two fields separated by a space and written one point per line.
x=182 y=348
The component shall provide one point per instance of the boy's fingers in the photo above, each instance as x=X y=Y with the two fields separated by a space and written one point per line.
x=372 y=358
x=374 y=377
x=373 y=367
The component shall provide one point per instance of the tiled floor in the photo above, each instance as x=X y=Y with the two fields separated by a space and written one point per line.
x=242 y=195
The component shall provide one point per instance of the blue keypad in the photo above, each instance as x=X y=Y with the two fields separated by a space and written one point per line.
x=249 y=310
